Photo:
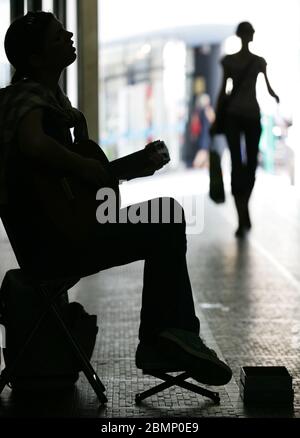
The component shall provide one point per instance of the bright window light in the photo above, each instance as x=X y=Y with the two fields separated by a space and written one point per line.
x=72 y=73
x=47 y=5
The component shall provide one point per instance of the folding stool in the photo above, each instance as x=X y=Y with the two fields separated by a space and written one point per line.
x=51 y=289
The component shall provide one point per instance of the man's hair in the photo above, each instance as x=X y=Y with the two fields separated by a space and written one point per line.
x=25 y=37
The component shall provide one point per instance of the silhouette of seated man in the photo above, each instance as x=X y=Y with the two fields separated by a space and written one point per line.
x=35 y=122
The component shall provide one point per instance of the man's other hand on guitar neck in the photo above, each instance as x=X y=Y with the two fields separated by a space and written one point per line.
x=158 y=155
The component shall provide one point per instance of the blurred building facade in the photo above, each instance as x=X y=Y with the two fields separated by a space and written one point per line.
x=141 y=67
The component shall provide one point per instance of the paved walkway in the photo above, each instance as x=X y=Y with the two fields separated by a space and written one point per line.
x=247 y=296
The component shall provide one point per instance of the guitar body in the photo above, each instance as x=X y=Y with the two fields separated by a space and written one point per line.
x=69 y=203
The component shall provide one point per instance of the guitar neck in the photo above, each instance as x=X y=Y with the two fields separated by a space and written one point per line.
x=131 y=166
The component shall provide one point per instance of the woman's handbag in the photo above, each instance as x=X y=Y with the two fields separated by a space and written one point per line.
x=219 y=125
x=216 y=185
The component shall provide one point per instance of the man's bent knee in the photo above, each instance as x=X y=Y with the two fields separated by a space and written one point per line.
x=171 y=211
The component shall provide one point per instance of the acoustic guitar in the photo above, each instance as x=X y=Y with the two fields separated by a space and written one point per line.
x=71 y=204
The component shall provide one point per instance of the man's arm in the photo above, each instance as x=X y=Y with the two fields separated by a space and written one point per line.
x=35 y=144
x=142 y=163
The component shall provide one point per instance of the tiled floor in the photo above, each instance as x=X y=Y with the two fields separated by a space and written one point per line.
x=247 y=296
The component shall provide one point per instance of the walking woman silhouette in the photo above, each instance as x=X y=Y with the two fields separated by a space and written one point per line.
x=242 y=117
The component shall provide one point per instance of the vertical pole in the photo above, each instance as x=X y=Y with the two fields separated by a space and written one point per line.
x=34 y=5
x=60 y=10
x=16 y=9
x=88 y=63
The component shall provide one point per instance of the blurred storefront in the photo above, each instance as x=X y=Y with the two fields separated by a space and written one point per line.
x=158 y=60
x=142 y=95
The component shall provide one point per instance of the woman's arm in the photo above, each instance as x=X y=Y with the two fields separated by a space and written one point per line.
x=270 y=89
x=35 y=144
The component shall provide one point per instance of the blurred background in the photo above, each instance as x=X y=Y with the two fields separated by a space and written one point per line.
x=158 y=72
x=158 y=58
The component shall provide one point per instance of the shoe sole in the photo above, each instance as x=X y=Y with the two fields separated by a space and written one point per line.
x=214 y=371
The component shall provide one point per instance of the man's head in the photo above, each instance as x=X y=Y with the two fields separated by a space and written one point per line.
x=37 y=42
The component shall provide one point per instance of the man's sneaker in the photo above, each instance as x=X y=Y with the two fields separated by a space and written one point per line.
x=202 y=362
x=181 y=350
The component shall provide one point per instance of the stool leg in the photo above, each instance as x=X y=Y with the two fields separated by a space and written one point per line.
x=178 y=380
x=87 y=368
x=8 y=371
